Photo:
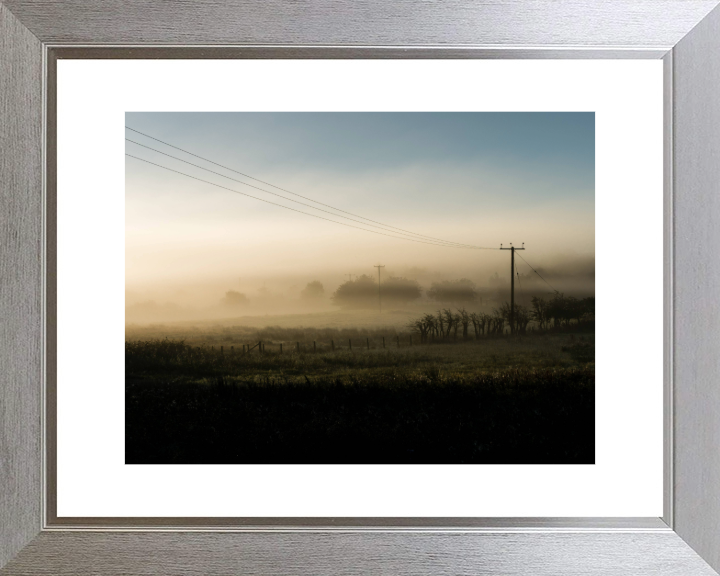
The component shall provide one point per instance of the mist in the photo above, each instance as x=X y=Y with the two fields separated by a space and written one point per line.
x=283 y=296
x=195 y=251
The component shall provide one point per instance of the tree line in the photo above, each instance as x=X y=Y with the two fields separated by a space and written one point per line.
x=559 y=311
x=363 y=291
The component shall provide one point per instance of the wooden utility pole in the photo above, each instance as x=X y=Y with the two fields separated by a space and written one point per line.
x=512 y=283
x=379 y=294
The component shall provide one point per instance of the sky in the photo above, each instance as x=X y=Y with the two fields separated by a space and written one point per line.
x=474 y=178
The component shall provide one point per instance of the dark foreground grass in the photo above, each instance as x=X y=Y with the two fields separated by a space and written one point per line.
x=512 y=416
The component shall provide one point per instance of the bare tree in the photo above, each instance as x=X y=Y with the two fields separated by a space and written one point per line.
x=588 y=307
x=441 y=323
x=575 y=309
x=503 y=312
x=421 y=327
x=558 y=309
x=475 y=319
x=497 y=320
x=540 y=313
x=431 y=324
x=449 y=318
x=457 y=321
x=522 y=319
x=464 y=319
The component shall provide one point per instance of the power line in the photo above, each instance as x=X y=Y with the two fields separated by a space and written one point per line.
x=454 y=244
x=285 y=190
x=538 y=273
x=300 y=211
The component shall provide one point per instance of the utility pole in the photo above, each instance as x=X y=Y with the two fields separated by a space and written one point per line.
x=349 y=276
x=379 y=295
x=512 y=283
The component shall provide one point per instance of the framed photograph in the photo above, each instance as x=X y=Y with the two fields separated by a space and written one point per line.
x=286 y=294
x=371 y=367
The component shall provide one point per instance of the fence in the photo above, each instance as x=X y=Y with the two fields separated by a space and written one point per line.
x=304 y=348
x=381 y=343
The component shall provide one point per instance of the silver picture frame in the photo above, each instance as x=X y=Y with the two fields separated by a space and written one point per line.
x=685 y=34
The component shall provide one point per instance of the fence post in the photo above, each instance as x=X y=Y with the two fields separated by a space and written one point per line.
x=314 y=346
x=332 y=345
x=232 y=350
x=280 y=347
x=260 y=346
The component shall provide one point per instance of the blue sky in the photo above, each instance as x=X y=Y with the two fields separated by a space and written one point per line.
x=556 y=148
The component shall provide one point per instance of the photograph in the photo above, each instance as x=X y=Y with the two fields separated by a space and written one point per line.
x=360 y=288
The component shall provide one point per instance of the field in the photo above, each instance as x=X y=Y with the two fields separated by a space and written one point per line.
x=342 y=395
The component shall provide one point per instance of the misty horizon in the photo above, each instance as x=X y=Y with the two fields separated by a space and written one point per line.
x=472 y=178
x=284 y=295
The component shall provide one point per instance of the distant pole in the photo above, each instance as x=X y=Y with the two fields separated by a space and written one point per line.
x=332 y=345
x=349 y=277
x=379 y=293
x=512 y=284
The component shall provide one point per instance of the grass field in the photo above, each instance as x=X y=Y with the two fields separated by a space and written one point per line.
x=527 y=399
